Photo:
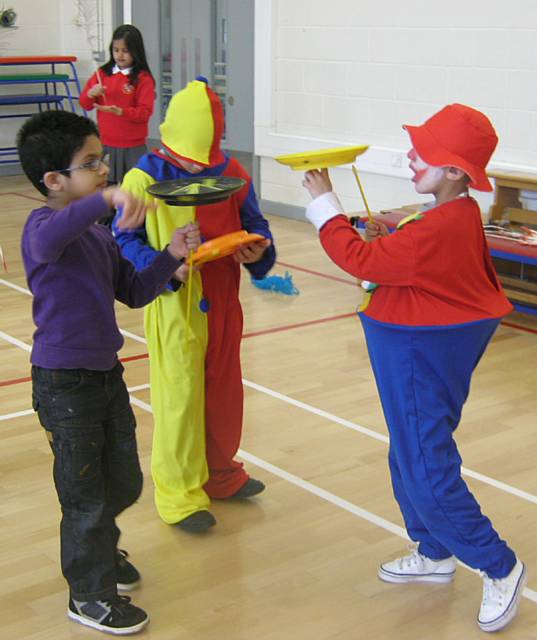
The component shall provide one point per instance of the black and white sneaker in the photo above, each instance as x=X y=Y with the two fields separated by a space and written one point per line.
x=127 y=575
x=117 y=615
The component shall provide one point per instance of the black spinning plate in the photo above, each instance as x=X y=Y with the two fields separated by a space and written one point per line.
x=191 y=192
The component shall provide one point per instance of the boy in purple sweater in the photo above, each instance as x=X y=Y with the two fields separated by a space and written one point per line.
x=75 y=272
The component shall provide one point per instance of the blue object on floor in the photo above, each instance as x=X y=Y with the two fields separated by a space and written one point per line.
x=279 y=284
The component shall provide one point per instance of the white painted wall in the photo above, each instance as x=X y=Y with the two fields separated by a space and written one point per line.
x=45 y=28
x=339 y=72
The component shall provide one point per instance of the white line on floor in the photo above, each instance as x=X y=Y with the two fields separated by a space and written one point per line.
x=15 y=341
x=382 y=523
x=497 y=484
x=17 y=414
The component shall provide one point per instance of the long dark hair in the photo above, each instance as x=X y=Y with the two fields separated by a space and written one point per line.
x=135 y=44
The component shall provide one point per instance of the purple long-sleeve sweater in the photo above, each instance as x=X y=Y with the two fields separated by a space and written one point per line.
x=75 y=271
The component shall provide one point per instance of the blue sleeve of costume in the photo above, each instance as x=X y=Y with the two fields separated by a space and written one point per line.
x=134 y=247
x=253 y=221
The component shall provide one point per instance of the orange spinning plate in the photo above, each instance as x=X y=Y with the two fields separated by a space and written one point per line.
x=222 y=246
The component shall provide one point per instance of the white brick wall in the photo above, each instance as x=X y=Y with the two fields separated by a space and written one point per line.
x=352 y=71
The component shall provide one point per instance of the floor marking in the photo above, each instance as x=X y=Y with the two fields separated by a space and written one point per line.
x=528 y=593
x=370 y=433
x=328 y=496
x=14 y=341
x=9 y=383
x=298 y=325
x=325 y=495
x=17 y=414
x=133 y=336
x=319 y=274
x=519 y=493
x=7 y=283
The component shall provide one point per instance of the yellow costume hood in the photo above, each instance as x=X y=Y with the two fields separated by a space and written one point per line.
x=194 y=123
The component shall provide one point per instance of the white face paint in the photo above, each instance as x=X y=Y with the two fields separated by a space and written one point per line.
x=426 y=178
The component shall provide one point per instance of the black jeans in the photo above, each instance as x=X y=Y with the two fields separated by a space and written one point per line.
x=91 y=429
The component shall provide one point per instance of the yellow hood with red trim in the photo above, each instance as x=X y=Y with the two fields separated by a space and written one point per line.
x=194 y=123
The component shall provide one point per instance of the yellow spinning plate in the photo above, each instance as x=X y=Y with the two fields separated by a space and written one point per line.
x=322 y=158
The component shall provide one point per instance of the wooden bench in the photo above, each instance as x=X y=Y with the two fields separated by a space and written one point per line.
x=507 y=206
x=56 y=88
x=30 y=98
x=50 y=82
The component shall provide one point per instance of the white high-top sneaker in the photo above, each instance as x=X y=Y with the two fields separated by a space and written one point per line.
x=417 y=568
x=501 y=598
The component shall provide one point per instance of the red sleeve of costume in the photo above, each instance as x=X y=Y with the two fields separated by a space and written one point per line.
x=390 y=260
x=86 y=102
x=235 y=169
x=144 y=99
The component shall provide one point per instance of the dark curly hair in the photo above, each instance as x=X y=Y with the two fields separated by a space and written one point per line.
x=48 y=141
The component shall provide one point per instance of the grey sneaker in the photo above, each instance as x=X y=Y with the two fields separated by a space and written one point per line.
x=249 y=489
x=416 y=567
x=197 y=522
x=117 y=615
x=501 y=598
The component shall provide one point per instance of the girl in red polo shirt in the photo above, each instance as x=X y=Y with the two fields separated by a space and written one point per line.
x=123 y=92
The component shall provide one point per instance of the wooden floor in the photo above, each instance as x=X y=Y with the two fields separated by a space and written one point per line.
x=300 y=561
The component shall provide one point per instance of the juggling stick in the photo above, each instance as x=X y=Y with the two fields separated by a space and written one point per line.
x=101 y=84
x=369 y=214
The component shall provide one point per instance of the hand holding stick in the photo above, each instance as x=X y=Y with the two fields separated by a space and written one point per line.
x=101 y=85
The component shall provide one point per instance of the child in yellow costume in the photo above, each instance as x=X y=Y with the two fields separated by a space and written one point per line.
x=196 y=381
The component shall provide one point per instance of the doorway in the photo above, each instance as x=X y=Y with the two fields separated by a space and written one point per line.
x=211 y=38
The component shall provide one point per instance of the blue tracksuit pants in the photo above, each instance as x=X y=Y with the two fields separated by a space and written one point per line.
x=423 y=377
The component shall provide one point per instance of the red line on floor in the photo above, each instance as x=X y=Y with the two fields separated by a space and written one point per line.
x=512 y=325
x=254 y=334
x=520 y=327
x=142 y=356
x=297 y=325
x=7 y=383
x=317 y=273
x=145 y=356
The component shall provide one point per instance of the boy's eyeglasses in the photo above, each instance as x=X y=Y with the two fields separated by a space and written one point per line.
x=91 y=165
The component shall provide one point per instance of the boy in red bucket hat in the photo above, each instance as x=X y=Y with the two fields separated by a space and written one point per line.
x=436 y=305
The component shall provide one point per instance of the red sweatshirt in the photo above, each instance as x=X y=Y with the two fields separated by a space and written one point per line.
x=129 y=129
x=434 y=271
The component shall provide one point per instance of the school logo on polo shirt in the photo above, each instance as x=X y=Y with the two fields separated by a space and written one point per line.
x=127 y=88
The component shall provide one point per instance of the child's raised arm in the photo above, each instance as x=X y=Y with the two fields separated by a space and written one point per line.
x=317 y=182
x=134 y=209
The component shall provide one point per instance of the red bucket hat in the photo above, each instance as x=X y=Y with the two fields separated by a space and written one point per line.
x=457 y=136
